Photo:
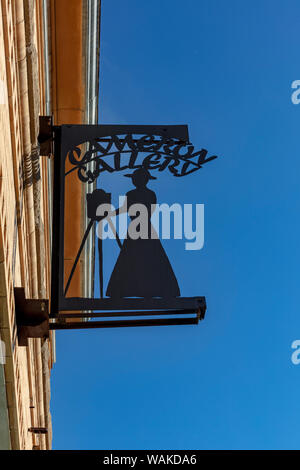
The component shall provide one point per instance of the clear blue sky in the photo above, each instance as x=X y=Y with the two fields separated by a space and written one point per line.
x=225 y=68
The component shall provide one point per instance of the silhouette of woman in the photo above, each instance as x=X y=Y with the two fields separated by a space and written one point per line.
x=142 y=268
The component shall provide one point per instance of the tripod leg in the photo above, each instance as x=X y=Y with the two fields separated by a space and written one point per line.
x=100 y=251
x=115 y=232
x=78 y=254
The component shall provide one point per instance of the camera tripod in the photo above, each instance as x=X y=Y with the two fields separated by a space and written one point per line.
x=100 y=249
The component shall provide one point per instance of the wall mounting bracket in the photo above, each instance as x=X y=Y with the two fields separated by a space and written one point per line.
x=32 y=317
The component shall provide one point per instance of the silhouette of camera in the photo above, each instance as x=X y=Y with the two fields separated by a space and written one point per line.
x=94 y=200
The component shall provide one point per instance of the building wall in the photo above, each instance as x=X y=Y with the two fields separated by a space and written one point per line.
x=43 y=63
x=24 y=260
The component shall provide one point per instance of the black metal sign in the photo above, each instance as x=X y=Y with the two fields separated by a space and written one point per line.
x=142 y=282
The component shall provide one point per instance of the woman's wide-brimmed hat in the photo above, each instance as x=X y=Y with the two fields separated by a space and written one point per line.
x=142 y=172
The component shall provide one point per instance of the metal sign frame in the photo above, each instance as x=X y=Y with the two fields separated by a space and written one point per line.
x=168 y=148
